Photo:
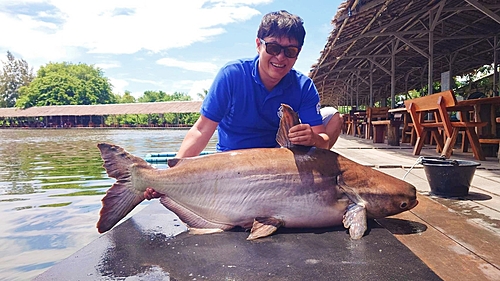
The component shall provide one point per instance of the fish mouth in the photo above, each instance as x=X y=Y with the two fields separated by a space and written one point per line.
x=413 y=204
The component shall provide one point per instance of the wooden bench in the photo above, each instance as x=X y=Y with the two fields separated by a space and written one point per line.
x=443 y=130
x=379 y=123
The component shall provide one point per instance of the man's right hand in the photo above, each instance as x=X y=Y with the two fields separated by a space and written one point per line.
x=151 y=194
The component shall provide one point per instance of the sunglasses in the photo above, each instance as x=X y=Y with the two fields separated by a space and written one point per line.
x=274 y=49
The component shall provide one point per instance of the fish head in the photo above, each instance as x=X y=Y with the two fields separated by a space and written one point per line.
x=387 y=200
x=382 y=194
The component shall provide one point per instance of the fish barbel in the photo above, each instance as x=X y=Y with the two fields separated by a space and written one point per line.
x=259 y=189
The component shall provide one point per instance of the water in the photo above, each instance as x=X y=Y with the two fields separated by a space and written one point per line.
x=51 y=184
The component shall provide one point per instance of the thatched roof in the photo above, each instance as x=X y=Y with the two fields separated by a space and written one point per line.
x=104 y=109
x=366 y=33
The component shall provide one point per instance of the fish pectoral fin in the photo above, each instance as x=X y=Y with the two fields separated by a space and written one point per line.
x=198 y=231
x=263 y=227
x=355 y=220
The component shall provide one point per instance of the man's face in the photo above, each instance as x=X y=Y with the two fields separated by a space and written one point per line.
x=273 y=68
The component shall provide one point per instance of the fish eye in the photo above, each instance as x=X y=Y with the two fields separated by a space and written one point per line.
x=403 y=205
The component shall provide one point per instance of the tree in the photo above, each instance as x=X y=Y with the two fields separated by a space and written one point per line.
x=126 y=98
x=153 y=96
x=15 y=74
x=204 y=95
x=67 y=83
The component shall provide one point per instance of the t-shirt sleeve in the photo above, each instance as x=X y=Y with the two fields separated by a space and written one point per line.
x=217 y=101
x=309 y=111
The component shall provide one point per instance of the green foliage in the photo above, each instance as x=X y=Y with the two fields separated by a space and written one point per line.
x=204 y=95
x=155 y=96
x=66 y=83
x=478 y=80
x=166 y=119
x=126 y=98
x=15 y=74
x=80 y=84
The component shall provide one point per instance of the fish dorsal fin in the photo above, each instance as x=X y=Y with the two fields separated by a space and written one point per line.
x=288 y=119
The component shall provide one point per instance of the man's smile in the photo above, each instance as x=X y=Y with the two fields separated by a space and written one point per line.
x=277 y=65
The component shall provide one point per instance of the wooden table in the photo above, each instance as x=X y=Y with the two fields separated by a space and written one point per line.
x=483 y=110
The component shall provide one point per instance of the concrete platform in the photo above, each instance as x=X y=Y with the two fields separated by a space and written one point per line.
x=146 y=247
x=442 y=238
x=461 y=236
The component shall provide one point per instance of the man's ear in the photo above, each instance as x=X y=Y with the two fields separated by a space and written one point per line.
x=257 y=44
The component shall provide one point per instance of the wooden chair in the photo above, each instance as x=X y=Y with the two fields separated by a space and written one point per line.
x=354 y=122
x=349 y=124
x=359 y=119
x=408 y=132
x=437 y=105
x=346 y=124
x=375 y=114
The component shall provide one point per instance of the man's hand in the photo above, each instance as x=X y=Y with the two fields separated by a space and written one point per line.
x=303 y=134
x=151 y=194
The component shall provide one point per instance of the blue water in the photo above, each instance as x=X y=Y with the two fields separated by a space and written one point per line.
x=51 y=184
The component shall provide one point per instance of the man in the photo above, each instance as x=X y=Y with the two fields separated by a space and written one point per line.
x=245 y=98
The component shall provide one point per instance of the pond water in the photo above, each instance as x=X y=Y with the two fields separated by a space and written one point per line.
x=51 y=184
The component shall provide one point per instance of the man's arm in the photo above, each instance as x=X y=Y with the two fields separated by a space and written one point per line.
x=197 y=137
x=333 y=128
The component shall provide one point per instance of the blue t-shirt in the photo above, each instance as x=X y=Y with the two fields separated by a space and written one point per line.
x=247 y=113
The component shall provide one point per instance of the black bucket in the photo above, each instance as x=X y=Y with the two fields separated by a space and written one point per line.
x=449 y=177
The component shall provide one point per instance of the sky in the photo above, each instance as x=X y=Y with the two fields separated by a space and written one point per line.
x=152 y=45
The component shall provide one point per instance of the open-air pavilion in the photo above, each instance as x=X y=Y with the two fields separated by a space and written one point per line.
x=382 y=48
x=91 y=115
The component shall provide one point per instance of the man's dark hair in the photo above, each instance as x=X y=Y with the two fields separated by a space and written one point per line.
x=282 y=24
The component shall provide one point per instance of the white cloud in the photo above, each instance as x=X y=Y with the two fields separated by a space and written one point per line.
x=62 y=28
x=119 y=85
x=191 y=87
x=192 y=66
x=92 y=31
x=152 y=82
x=108 y=65
x=198 y=87
x=137 y=95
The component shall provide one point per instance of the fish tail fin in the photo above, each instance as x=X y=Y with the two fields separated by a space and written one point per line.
x=122 y=197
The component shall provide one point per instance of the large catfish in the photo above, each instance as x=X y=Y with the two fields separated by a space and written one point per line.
x=261 y=188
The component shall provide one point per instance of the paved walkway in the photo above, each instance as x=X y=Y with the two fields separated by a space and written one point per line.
x=458 y=238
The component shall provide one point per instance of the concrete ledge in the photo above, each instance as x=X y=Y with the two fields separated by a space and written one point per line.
x=148 y=246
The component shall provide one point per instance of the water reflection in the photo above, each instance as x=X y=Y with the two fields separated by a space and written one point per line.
x=51 y=184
